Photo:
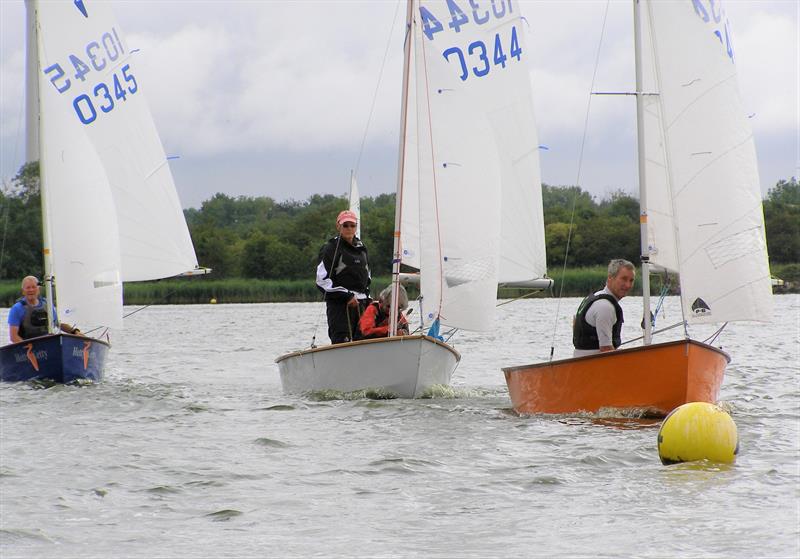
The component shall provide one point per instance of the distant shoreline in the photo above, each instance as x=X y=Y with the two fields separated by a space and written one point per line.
x=578 y=282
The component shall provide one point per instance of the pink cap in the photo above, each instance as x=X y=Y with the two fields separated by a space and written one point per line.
x=346 y=215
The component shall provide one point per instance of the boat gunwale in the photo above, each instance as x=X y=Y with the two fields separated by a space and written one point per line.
x=65 y=334
x=615 y=353
x=371 y=341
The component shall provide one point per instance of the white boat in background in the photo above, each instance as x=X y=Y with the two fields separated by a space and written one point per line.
x=355 y=202
x=469 y=208
x=109 y=205
x=701 y=217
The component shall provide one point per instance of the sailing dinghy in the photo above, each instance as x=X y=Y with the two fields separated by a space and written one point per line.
x=469 y=208
x=110 y=211
x=701 y=217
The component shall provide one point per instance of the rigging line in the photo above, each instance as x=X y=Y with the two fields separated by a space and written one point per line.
x=377 y=86
x=325 y=293
x=435 y=185
x=516 y=298
x=715 y=335
x=164 y=298
x=653 y=333
x=578 y=180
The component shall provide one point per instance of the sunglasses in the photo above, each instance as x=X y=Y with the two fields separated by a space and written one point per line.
x=348 y=224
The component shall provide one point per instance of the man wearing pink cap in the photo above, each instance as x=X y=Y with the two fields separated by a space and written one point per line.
x=343 y=276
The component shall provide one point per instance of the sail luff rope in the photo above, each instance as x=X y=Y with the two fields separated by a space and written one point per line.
x=397 y=243
x=578 y=180
x=667 y=156
x=435 y=185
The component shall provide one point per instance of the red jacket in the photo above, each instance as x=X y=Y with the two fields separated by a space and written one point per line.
x=375 y=324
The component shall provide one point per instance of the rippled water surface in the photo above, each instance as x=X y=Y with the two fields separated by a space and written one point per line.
x=189 y=449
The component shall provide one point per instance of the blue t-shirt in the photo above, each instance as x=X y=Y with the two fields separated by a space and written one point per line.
x=17 y=312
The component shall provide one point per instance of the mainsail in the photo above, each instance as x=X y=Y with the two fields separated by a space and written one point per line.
x=111 y=209
x=471 y=196
x=704 y=199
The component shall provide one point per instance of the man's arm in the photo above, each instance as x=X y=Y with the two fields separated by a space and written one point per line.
x=13 y=334
x=15 y=316
x=69 y=329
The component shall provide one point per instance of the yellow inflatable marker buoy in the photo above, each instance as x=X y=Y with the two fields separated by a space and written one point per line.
x=698 y=431
x=213 y=301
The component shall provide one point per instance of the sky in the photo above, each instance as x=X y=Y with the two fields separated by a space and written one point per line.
x=276 y=98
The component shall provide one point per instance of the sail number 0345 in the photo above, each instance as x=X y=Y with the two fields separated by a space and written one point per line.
x=104 y=96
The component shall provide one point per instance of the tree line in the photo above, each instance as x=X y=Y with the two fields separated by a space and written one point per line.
x=258 y=237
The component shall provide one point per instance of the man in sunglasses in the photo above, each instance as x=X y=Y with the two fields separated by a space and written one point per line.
x=343 y=277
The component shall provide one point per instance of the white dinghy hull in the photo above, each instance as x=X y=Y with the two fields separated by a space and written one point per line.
x=404 y=366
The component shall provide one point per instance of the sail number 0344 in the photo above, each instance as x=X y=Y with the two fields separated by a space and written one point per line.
x=479 y=57
x=104 y=96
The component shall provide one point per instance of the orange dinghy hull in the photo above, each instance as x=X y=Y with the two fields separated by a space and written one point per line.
x=657 y=378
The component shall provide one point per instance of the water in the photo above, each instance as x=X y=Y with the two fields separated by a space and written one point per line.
x=189 y=449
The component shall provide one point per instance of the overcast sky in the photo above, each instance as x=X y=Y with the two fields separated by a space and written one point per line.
x=272 y=98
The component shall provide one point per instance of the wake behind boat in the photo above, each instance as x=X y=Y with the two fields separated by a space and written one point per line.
x=469 y=208
x=109 y=205
x=701 y=218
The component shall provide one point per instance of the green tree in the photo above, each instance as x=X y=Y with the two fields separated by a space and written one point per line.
x=782 y=217
x=269 y=257
x=21 y=225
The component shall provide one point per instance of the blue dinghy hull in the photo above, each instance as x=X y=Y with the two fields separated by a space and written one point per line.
x=61 y=358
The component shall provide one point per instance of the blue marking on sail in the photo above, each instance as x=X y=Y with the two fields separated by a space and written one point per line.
x=81 y=7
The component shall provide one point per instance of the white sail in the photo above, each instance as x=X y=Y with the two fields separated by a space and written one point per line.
x=355 y=202
x=714 y=193
x=409 y=197
x=471 y=161
x=110 y=203
x=522 y=250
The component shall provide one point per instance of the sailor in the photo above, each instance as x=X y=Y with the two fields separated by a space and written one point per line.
x=597 y=326
x=343 y=276
x=28 y=317
x=374 y=322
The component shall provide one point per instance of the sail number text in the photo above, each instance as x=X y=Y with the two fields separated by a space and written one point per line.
x=713 y=14
x=103 y=96
x=478 y=57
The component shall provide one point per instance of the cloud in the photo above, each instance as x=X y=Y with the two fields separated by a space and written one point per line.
x=766 y=54
x=263 y=86
x=274 y=83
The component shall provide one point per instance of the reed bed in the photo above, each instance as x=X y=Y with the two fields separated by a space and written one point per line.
x=578 y=282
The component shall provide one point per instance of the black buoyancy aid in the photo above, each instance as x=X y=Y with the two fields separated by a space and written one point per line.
x=34 y=322
x=347 y=264
x=584 y=335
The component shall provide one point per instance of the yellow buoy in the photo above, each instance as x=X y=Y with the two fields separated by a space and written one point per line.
x=698 y=431
x=213 y=301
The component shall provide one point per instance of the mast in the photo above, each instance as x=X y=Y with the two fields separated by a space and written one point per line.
x=31 y=85
x=400 y=171
x=640 y=149
x=33 y=120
